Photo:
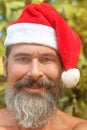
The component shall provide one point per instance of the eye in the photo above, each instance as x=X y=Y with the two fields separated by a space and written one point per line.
x=46 y=59
x=23 y=60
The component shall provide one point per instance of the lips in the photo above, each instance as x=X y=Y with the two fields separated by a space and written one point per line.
x=33 y=89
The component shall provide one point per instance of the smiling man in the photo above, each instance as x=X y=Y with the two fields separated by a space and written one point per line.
x=41 y=49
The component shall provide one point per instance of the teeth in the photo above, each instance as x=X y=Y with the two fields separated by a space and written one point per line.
x=35 y=86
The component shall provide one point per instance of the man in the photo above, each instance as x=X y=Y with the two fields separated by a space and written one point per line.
x=40 y=46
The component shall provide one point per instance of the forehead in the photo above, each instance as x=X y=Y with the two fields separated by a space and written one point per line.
x=32 y=49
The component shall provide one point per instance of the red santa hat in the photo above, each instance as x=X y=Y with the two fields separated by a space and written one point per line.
x=42 y=24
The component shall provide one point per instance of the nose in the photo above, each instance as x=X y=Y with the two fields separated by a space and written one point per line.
x=35 y=70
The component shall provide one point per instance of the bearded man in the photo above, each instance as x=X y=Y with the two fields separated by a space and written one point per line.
x=41 y=50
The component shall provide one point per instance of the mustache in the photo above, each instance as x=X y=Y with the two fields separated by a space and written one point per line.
x=31 y=83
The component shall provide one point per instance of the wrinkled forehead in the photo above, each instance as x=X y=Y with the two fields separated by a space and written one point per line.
x=30 y=48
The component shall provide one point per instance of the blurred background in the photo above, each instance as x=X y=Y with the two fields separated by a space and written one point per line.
x=73 y=101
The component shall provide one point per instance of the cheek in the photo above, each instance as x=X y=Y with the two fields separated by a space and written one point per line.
x=54 y=72
x=14 y=73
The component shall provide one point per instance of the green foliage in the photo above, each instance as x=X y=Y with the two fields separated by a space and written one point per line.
x=2 y=102
x=73 y=101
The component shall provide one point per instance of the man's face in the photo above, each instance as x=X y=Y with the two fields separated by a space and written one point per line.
x=34 y=61
x=33 y=71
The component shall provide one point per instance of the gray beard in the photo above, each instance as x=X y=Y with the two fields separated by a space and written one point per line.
x=31 y=110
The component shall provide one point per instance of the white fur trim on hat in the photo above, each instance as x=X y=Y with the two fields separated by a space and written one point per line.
x=31 y=33
x=71 y=77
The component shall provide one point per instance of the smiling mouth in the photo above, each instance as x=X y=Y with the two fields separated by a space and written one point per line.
x=35 y=88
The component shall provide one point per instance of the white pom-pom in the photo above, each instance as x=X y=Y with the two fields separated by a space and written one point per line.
x=71 y=77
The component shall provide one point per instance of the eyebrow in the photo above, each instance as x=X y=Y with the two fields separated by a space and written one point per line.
x=49 y=55
x=21 y=54
x=32 y=55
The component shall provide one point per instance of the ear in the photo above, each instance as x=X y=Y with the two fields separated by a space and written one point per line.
x=4 y=61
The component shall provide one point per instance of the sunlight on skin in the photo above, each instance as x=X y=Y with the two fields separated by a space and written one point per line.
x=82 y=126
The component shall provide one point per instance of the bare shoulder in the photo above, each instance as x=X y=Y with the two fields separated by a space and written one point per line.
x=68 y=117
x=81 y=126
x=4 y=116
x=6 y=119
x=5 y=128
x=71 y=121
x=3 y=112
x=2 y=128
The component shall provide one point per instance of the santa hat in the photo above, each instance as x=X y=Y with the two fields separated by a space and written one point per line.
x=42 y=24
